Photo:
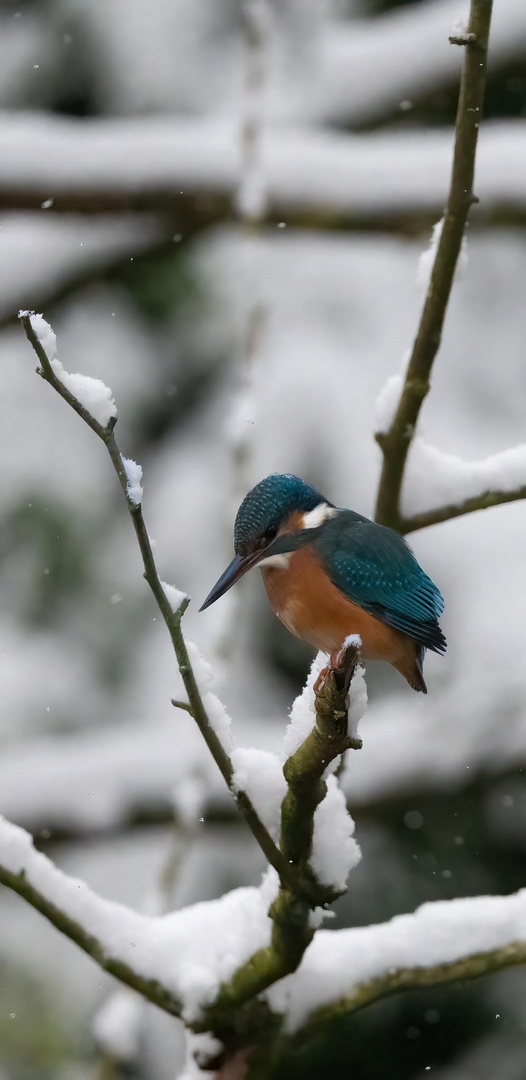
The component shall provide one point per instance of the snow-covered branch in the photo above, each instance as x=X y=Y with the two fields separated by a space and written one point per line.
x=190 y=168
x=93 y=402
x=111 y=934
x=395 y=442
x=316 y=829
x=182 y=960
x=442 y=941
x=440 y=486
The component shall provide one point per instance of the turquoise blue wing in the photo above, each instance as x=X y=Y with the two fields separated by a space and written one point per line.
x=376 y=569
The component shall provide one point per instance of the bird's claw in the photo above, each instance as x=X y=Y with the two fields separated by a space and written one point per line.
x=336 y=663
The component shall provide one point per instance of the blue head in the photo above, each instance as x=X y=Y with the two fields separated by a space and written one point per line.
x=263 y=513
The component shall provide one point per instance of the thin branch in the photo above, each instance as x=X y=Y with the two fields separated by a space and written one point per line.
x=396 y=442
x=149 y=988
x=454 y=510
x=171 y=619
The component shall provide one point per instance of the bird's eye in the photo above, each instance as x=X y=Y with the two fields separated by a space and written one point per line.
x=270 y=534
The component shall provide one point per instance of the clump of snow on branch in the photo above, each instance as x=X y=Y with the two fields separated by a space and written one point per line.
x=219 y=719
x=117 y=1025
x=303 y=714
x=92 y=394
x=133 y=480
x=334 y=850
x=435 y=478
x=174 y=596
x=357 y=701
x=427 y=258
x=189 y=952
x=44 y=332
x=459 y=28
x=260 y=774
x=337 y=964
x=387 y=399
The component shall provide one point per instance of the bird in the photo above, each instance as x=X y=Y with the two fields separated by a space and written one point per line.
x=329 y=573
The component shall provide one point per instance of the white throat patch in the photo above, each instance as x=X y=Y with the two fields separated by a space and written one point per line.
x=322 y=512
x=278 y=562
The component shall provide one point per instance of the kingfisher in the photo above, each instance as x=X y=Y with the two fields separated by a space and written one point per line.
x=330 y=572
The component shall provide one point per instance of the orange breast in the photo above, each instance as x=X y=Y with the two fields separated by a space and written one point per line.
x=312 y=608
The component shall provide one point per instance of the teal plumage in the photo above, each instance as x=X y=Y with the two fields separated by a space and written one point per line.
x=376 y=569
x=350 y=575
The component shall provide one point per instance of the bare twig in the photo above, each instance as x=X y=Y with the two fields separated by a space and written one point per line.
x=396 y=442
x=171 y=619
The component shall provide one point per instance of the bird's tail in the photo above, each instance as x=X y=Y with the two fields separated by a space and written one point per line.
x=419 y=683
x=411 y=666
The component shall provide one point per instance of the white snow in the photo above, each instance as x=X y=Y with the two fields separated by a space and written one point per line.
x=93 y=394
x=303 y=715
x=304 y=168
x=260 y=774
x=190 y=952
x=352 y=639
x=338 y=963
x=133 y=480
x=427 y=258
x=386 y=401
x=458 y=27
x=116 y=1027
x=218 y=717
x=357 y=701
x=174 y=596
x=435 y=478
x=334 y=851
x=44 y=333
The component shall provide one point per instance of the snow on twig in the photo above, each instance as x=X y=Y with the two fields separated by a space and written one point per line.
x=214 y=724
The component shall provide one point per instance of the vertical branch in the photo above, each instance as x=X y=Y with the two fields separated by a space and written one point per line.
x=251 y=206
x=396 y=442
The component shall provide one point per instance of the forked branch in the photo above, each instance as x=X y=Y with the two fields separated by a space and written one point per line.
x=396 y=442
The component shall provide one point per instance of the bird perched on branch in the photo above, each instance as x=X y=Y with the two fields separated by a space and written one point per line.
x=330 y=573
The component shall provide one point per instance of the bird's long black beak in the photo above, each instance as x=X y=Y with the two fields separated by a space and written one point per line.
x=239 y=566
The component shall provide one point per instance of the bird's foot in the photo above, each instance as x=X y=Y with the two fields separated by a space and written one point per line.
x=342 y=662
x=335 y=664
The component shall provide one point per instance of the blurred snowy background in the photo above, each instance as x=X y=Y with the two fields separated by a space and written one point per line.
x=134 y=137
